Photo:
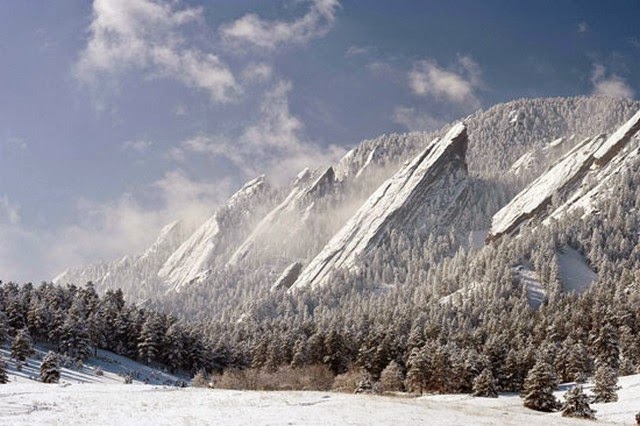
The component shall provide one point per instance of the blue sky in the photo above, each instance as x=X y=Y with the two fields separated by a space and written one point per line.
x=117 y=116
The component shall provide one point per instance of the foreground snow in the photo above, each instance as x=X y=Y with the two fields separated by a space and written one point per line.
x=29 y=402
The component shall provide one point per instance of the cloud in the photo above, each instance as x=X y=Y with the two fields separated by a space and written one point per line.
x=354 y=50
x=257 y=72
x=273 y=144
x=416 y=121
x=137 y=145
x=9 y=212
x=583 y=27
x=107 y=230
x=612 y=86
x=251 y=30
x=150 y=36
x=457 y=85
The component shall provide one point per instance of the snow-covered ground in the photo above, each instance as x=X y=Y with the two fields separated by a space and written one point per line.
x=114 y=368
x=27 y=403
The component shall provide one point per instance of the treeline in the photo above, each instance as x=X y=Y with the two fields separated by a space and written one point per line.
x=76 y=322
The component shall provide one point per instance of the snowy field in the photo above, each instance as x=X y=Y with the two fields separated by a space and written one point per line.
x=25 y=402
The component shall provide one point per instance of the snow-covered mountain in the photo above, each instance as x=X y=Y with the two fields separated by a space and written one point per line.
x=209 y=246
x=261 y=232
x=435 y=181
x=137 y=274
x=576 y=180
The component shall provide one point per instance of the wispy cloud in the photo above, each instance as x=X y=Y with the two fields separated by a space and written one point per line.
x=9 y=212
x=273 y=144
x=150 y=36
x=457 y=84
x=583 y=27
x=251 y=30
x=137 y=145
x=415 y=120
x=609 y=85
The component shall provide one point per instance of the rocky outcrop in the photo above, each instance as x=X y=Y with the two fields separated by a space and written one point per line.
x=435 y=180
x=586 y=166
x=288 y=277
x=208 y=247
x=281 y=228
x=135 y=275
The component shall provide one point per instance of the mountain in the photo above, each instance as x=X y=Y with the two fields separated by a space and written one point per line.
x=137 y=274
x=236 y=256
x=435 y=181
x=209 y=246
x=577 y=173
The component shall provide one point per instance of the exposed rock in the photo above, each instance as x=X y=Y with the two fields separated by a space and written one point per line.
x=586 y=166
x=397 y=204
x=288 y=277
x=209 y=245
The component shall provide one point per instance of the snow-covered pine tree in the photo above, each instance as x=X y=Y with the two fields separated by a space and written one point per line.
x=577 y=404
x=605 y=387
x=22 y=346
x=4 y=378
x=485 y=385
x=150 y=339
x=50 y=368
x=539 y=386
x=606 y=346
x=391 y=378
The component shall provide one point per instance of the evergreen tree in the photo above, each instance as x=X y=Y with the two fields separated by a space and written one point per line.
x=21 y=347
x=50 y=368
x=150 y=340
x=605 y=385
x=607 y=347
x=485 y=385
x=391 y=378
x=577 y=404
x=4 y=378
x=538 y=388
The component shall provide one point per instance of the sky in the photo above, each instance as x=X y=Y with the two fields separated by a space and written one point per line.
x=120 y=116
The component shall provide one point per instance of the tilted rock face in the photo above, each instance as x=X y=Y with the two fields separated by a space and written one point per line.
x=586 y=166
x=435 y=180
x=282 y=227
x=208 y=247
x=135 y=275
x=288 y=277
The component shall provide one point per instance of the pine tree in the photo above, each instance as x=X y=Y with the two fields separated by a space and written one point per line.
x=485 y=385
x=4 y=378
x=150 y=339
x=50 y=368
x=391 y=378
x=607 y=347
x=538 y=388
x=577 y=404
x=21 y=347
x=605 y=385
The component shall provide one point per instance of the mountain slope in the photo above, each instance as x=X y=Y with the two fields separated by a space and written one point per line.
x=573 y=175
x=397 y=204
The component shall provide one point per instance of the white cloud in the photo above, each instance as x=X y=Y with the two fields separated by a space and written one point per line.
x=416 y=121
x=612 y=86
x=148 y=35
x=257 y=72
x=254 y=31
x=108 y=230
x=273 y=144
x=583 y=27
x=9 y=212
x=457 y=85
x=137 y=145
x=354 y=50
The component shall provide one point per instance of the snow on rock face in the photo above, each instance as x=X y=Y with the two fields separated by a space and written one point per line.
x=288 y=277
x=397 y=204
x=195 y=258
x=280 y=227
x=574 y=179
x=535 y=198
x=133 y=274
